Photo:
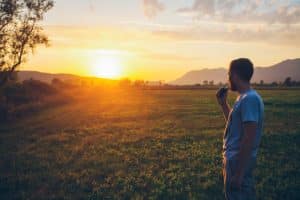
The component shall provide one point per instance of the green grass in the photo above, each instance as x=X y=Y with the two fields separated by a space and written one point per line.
x=143 y=145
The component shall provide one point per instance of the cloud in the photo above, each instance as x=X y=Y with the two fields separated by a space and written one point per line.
x=91 y=6
x=275 y=22
x=158 y=36
x=245 y=11
x=204 y=7
x=152 y=8
x=274 y=35
x=165 y=57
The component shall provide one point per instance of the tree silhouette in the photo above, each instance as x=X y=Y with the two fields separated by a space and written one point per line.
x=139 y=83
x=20 y=32
x=125 y=82
x=261 y=82
x=288 y=81
x=274 y=83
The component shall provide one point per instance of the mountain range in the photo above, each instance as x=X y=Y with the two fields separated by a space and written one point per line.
x=278 y=72
x=48 y=77
x=42 y=76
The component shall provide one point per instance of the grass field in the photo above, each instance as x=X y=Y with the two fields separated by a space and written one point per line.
x=144 y=144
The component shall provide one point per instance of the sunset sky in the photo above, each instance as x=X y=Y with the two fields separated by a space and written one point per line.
x=163 y=39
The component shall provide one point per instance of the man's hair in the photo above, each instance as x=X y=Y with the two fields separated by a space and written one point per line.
x=243 y=67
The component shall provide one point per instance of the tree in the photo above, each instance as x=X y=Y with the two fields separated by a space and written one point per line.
x=139 y=83
x=261 y=82
x=56 y=81
x=288 y=82
x=125 y=82
x=274 y=83
x=20 y=32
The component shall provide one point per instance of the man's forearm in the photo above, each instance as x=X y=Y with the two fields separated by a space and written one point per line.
x=226 y=109
x=243 y=158
x=246 y=148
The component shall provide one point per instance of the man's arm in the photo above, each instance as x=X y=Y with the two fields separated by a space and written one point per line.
x=226 y=109
x=222 y=100
x=245 y=151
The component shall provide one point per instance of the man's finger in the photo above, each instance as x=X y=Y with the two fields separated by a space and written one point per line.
x=218 y=92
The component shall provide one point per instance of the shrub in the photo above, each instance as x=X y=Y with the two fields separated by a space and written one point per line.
x=26 y=92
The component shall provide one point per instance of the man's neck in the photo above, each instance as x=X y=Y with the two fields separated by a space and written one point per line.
x=244 y=88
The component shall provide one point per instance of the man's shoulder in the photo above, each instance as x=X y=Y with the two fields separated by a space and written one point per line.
x=252 y=95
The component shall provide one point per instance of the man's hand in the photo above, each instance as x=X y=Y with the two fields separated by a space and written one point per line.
x=236 y=181
x=222 y=100
x=222 y=96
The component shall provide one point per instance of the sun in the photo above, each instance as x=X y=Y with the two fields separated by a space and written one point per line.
x=107 y=66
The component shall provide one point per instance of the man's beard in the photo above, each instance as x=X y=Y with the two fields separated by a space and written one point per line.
x=232 y=86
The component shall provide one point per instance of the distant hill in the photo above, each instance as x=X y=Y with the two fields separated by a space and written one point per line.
x=277 y=72
x=45 y=77
x=48 y=77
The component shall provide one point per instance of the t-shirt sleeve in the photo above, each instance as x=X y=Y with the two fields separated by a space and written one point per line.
x=250 y=109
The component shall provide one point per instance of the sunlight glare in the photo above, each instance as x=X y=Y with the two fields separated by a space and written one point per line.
x=107 y=66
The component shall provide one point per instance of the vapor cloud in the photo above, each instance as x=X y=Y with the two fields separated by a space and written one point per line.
x=274 y=35
x=152 y=8
x=245 y=11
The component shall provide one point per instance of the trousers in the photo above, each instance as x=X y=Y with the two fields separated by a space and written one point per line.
x=247 y=190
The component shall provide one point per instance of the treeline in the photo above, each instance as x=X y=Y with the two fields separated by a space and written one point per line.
x=288 y=82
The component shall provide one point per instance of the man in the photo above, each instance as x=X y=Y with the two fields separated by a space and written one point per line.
x=244 y=123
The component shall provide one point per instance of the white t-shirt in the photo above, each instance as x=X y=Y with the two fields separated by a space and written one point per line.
x=248 y=107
